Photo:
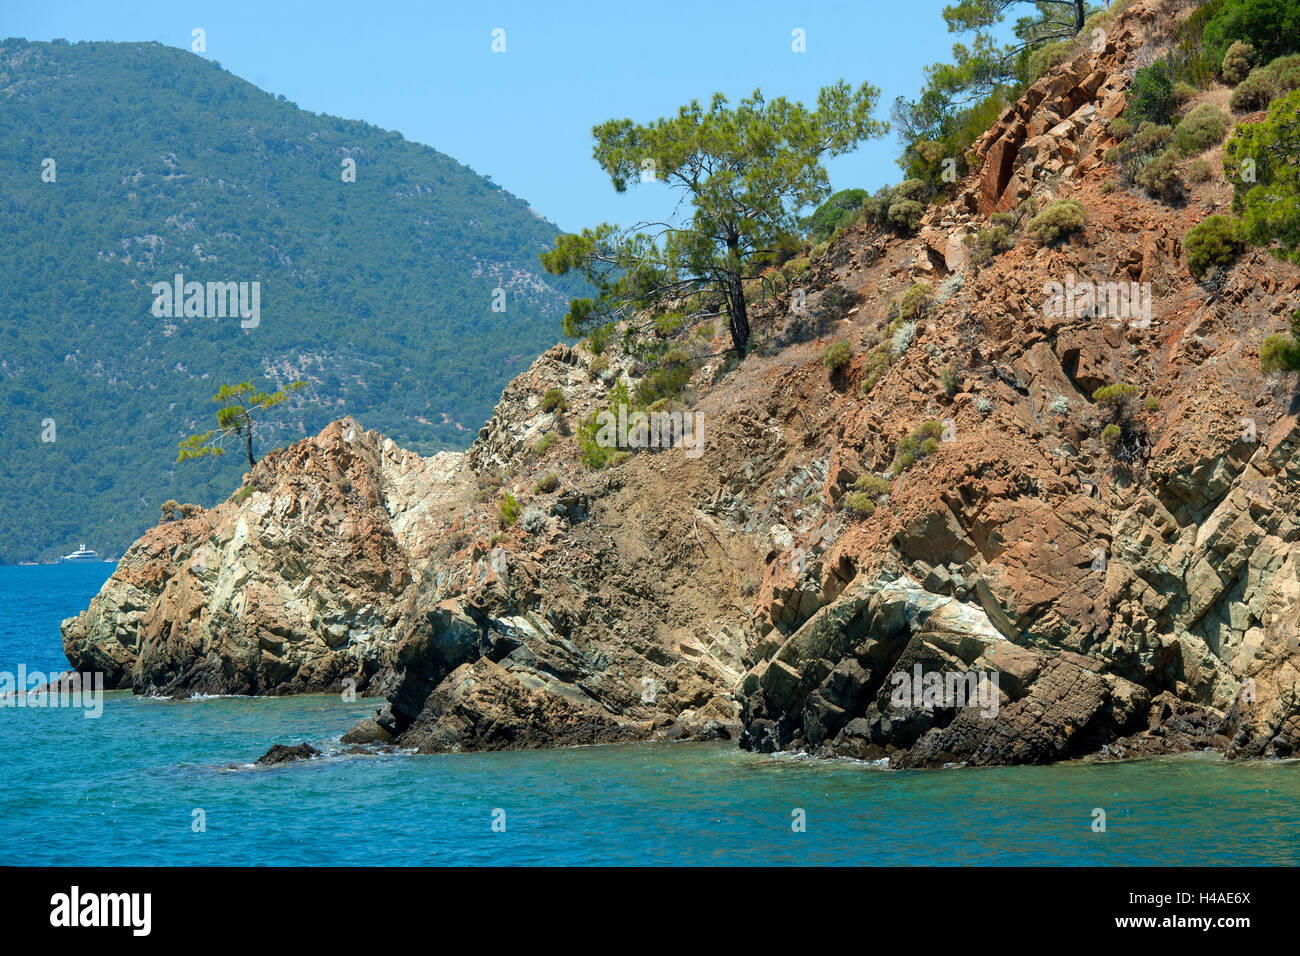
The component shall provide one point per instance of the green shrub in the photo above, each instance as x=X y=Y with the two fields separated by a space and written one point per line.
x=1272 y=27
x=1121 y=128
x=1255 y=92
x=1148 y=142
x=666 y=381
x=1203 y=127
x=909 y=189
x=1184 y=93
x=553 y=400
x=508 y=508
x=1149 y=139
x=546 y=484
x=1269 y=203
x=858 y=503
x=1123 y=437
x=590 y=452
x=836 y=358
x=871 y=485
x=545 y=442
x=1159 y=177
x=1200 y=171
x=1285 y=71
x=1187 y=57
x=795 y=267
x=1116 y=400
x=1110 y=155
x=598 y=339
x=993 y=241
x=598 y=367
x=1151 y=405
x=1279 y=353
x=832 y=215
x=1151 y=95
x=1060 y=219
x=1214 y=243
x=1046 y=57
x=864 y=494
x=1236 y=62
x=874 y=367
x=905 y=215
x=950 y=379
x=911 y=304
x=923 y=441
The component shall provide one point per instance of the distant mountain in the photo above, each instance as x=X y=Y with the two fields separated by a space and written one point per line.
x=124 y=165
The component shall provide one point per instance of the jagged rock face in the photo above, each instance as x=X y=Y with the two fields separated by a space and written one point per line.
x=1143 y=608
x=832 y=686
x=1123 y=608
x=354 y=563
x=289 y=586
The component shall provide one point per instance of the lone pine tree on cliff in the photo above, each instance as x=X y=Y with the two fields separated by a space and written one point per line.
x=234 y=418
x=744 y=173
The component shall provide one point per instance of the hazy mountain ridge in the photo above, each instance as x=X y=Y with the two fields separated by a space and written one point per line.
x=378 y=291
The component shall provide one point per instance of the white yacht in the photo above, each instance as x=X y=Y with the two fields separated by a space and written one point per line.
x=80 y=556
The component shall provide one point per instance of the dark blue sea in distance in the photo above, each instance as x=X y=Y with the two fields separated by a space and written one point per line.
x=123 y=790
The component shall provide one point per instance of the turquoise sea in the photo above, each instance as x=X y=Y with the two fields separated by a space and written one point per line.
x=124 y=789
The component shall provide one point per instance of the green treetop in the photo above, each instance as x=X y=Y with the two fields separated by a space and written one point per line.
x=234 y=418
x=744 y=173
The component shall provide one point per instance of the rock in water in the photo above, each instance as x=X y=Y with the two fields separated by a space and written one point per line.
x=282 y=754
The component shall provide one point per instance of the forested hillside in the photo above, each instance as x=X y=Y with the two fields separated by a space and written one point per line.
x=377 y=259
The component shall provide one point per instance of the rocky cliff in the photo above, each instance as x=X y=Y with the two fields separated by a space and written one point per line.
x=1120 y=602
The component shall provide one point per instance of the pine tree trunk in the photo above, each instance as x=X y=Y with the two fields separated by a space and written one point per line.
x=737 y=315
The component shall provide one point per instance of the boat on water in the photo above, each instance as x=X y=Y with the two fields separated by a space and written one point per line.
x=82 y=555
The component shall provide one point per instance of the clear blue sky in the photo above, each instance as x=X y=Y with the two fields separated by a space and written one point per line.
x=524 y=117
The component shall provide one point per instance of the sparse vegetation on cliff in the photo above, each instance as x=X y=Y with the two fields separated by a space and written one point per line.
x=837 y=356
x=1214 y=244
x=1058 y=220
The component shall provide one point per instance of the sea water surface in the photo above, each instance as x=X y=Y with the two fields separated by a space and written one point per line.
x=130 y=787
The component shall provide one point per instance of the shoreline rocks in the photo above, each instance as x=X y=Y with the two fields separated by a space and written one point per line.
x=510 y=597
